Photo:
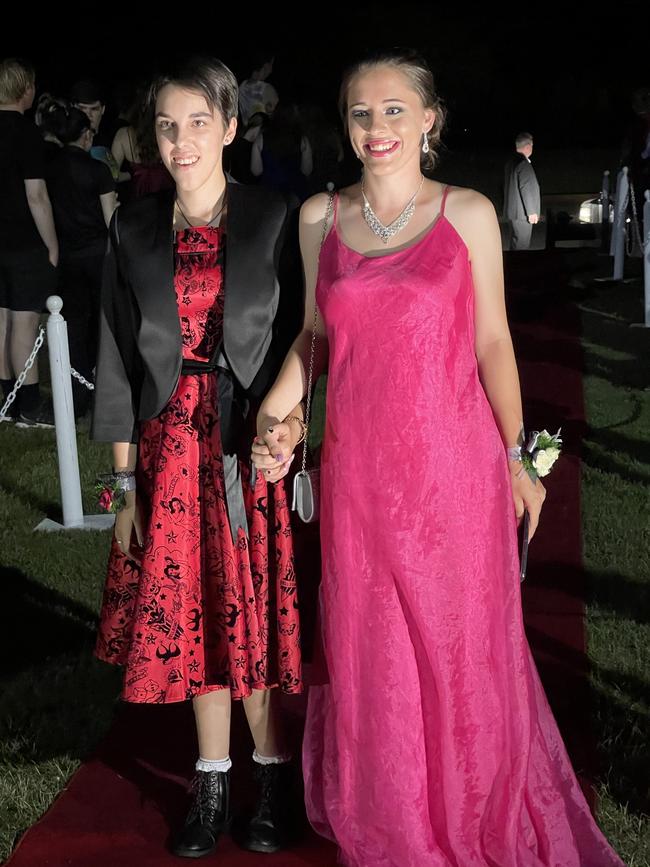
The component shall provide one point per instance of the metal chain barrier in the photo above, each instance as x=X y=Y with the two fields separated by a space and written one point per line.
x=21 y=378
x=28 y=365
x=82 y=380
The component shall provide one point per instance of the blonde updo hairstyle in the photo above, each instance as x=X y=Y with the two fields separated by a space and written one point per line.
x=416 y=69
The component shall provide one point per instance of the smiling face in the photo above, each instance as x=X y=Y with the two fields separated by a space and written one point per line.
x=191 y=136
x=386 y=119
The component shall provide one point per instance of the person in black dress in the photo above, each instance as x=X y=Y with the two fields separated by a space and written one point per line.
x=82 y=192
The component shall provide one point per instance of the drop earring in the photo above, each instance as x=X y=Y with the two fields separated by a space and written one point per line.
x=425 y=145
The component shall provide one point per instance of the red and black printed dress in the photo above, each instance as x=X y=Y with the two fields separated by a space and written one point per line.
x=199 y=611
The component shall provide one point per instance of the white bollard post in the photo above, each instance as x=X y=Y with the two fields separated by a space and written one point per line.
x=618 y=235
x=605 y=227
x=616 y=190
x=604 y=198
x=66 y=434
x=645 y=239
x=646 y=256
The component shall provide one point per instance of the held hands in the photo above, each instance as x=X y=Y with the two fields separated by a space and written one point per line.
x=526 y=495
x=273 y=449
x=127 y=519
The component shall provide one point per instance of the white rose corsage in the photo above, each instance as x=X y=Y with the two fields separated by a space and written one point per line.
x=537 y=458
x=541 y=452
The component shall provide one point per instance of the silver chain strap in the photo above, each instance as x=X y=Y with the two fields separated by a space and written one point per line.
x=81 y=379
x=310 y=377
x=21 y=378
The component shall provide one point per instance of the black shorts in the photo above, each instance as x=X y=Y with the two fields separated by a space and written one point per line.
x=26 y=279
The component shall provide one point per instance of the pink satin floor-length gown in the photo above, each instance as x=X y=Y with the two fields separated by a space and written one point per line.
x=433 y=743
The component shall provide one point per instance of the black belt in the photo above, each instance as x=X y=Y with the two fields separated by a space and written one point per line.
x=192 y=365
x=233 y=410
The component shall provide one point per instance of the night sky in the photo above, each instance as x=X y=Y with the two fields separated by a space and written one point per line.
x=563 y=71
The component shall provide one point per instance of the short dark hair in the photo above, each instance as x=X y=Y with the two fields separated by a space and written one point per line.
x=207 y=75
x=85 y=91
x=417 y=70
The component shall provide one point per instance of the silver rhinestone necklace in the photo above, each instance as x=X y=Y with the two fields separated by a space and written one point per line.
x=376 y=225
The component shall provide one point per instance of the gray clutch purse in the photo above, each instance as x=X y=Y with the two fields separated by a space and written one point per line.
x=306 y=494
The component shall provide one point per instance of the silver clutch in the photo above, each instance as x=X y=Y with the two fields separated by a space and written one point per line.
x=306 y=494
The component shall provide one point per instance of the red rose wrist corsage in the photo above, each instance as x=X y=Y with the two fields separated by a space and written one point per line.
x=111 y=490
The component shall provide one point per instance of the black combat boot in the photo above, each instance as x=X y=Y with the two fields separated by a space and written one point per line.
x=209 y=815
x=268 y=830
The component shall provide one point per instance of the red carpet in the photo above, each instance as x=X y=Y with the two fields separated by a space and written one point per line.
x=546 y=332
x=118 y=808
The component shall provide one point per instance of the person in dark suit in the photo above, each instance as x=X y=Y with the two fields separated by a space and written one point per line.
x=201 y=599
x=521 y=198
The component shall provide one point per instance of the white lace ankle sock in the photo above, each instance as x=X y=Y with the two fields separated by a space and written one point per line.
x=214 y=764
x=271 y=760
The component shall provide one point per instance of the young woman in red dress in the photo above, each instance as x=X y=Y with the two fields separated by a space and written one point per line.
x=200 y=600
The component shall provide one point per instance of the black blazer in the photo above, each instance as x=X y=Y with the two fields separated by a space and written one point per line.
x=521 y=190
x=140 y=347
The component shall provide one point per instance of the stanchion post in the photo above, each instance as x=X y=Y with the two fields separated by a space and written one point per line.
x=604 y=197
x=604 y=214
x=618 y=235
x=645 y=240
x=66 y=434
x=616 y=191
x=646 y=257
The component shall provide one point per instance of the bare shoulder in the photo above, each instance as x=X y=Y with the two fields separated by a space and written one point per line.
x=121 y=134
x=313 y=209
x=463 y=202
x=473 y=215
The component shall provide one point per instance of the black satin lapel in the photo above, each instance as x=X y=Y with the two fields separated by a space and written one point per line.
x=163 y=249
x=249 y=283
x=153 y=284
x=153 y=247
x=233 y=289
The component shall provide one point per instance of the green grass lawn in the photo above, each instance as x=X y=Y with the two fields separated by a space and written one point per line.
x=56 y=700
x=616 y=522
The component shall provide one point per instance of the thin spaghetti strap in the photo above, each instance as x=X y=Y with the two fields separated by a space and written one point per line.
x=335 y=206
x=444 y=199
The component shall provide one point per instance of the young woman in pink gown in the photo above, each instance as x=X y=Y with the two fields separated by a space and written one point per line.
x=432 y=743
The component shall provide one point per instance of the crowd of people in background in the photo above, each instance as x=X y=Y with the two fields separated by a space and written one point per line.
x=65 y=172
